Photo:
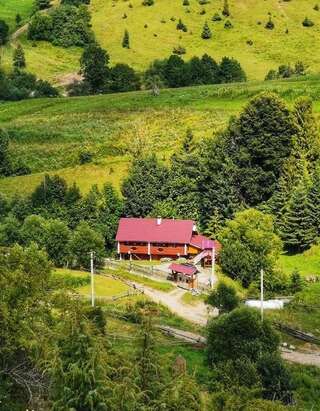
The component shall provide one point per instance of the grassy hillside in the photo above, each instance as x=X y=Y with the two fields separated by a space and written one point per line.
x=10 y=8
x=160 y=36
x=48 y=134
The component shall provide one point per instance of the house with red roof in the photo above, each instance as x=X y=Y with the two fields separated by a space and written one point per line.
x=155 y=238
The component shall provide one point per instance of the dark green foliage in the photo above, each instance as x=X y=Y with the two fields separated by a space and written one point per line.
x=5 y=166
x=79 y=374
x=230 y=71
x=124 y=78
x=217 y=191
x=186 y=3
x=270 y=24
x=51 y=192
x=182 y=199
x=240 y=333
x=18 y=20
x=66 y=26
x=10 y=231
x=228 y=24
x=57 y=242
x=206 y=32
x=276 y=380
x=4 y=32
x=75 y=2
x=249 y=244
x=316 y=7
x=174 y=72
x=179 y=50
x=314 y=195
x=216 y=17
x=181 y=26
x=19 y=60
x=83 y=241
x=40 y=27
x=296 y=282
x=258 y=144
x=42 y=4
x=126 y=40
x=226 y=10
x=144 y=186
x=94 y=67
x=224 y=297
x=148 y=2
x=307 y=22
x=286 y=71
x=298 y=231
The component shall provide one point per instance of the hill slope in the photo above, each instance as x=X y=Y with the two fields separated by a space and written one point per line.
x=269 y=48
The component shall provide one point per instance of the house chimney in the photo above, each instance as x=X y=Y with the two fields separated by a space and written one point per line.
x=159 y=221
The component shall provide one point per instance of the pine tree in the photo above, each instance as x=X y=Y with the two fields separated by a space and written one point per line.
x=18 y=20
x=206 y=32
x=126 y=40
x=314 y=199
x=226 y=10
x=298 y=231
x=19 y=60
x=307 y=141
x=214 y=225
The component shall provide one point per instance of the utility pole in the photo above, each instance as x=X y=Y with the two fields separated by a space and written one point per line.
x=92 y=278
x=261 y=292
x=213 y=262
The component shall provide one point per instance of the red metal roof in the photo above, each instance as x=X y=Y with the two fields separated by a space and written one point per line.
x=147 y=230
x=204 y=243
x=183 y=268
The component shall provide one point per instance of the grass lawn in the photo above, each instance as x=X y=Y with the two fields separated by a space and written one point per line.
x=148 y=282
x=103 y=286
x=308 y=263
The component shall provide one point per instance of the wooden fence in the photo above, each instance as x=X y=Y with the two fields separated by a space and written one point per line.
x=300 y=335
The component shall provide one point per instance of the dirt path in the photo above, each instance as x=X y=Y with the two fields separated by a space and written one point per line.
x=195 y=313
x=302 y=357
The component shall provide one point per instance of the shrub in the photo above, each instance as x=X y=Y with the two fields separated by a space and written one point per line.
x=224 y=298
x=307 y=22
x=228 y=24
x=148 y=2
x=240 y=333
x=85 y=157
x=270 y=24
x=206 y=32
x=179 y=50
x=181 y=26
x=126 y=40
x=4 y=32
x=186 y=3
x=216 y=17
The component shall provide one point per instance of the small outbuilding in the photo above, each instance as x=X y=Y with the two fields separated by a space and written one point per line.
x=185 y=274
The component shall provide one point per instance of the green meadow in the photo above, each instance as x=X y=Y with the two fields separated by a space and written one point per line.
x=257 y=48
x=49 y=134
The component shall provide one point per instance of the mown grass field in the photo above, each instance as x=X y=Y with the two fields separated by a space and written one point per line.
x=269 y=48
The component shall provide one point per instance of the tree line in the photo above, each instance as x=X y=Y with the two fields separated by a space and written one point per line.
x=173 y=72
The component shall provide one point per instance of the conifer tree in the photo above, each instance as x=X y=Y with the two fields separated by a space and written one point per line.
x=298 y=231
x=314 y=199
x=19 y=60
x=307 y=141
x=206 y=32
x=226 y=10
x=126 y=40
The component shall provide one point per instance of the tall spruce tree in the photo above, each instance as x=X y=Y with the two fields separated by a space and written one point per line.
x=226 y=10
x=307 y=138
x=19 y=60
x=258 y=143
x=314 y=199
x=206 y=32
x=126 y=40
x=298 y=231
x=145 y=185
